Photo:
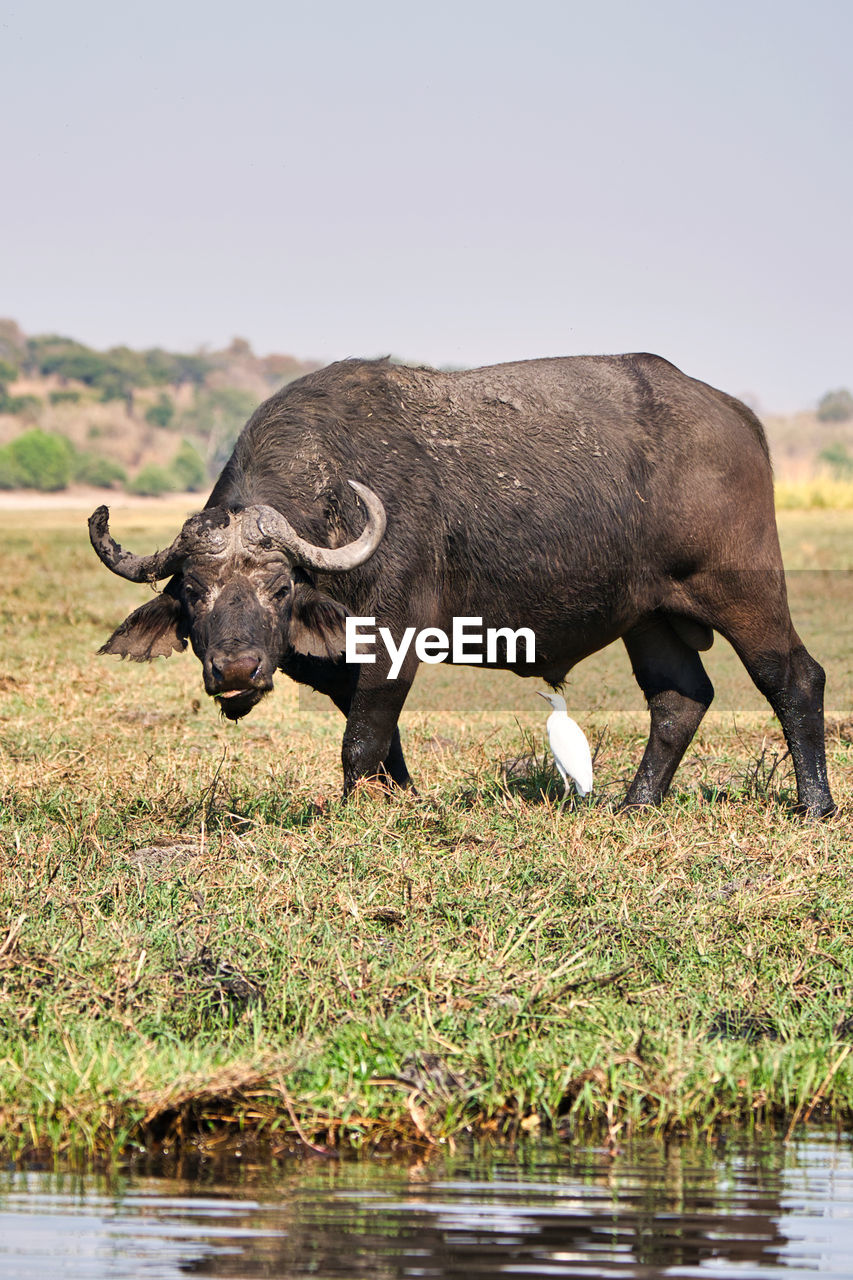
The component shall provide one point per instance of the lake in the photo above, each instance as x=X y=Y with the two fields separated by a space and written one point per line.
x=739 y=1207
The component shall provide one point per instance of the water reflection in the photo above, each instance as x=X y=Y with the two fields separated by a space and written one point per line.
x=750 y=1209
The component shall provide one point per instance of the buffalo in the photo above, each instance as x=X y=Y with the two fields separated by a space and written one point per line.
x=588 y=499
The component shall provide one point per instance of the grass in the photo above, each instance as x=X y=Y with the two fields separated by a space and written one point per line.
x=197 y=939
x=818 y=493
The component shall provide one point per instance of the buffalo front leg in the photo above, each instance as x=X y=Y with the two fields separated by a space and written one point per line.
x=394 y=765
x=678 y=693
x=371 y=746
x=339 y=682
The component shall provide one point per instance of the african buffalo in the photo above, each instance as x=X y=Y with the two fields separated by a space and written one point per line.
x=591 y=499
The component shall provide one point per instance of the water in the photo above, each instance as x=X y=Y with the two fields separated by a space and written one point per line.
x=742 y=1209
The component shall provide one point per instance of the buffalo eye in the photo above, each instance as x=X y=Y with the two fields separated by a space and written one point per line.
x=281 y=588
x=193 y=594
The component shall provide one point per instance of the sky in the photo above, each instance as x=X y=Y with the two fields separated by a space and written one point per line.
x=455 y=183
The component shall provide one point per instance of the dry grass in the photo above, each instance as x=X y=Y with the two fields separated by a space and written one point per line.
x=814 y=494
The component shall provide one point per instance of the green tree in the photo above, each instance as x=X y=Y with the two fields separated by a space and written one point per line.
x=191 y=369
x=152 y=481
x=218 y=413
x=13 y=343
x=115 y=373
x=838 y=458
x=100 y=472
x=161 y=366
x=161 y=413
x=41 y=460
x=836 y=406
x=23 y=406
x=66 y=359
x=217 y=416
x=188 y=468
x=10 y=472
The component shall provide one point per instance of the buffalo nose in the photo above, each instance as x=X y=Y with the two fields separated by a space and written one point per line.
x=239 y=671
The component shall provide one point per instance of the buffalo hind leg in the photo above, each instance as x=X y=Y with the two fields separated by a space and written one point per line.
x=751 y=611
x=793 y=684
x=678 y=693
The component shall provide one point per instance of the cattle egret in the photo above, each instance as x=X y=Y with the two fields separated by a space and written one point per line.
x=569 y=746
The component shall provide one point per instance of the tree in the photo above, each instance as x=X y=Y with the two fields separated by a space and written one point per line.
x=161 y=413
x=66 y=358
x=152 y=481
x=10 y=472
x=13 y=343
x=101 y=473
x=839 y=459
x=188 y=468
x=239 y=347
x=161 y=366
x=191 y=368
x=22 y=406
x=8 y=373
x=836 y=406
x=218 y=416
x=39 y=460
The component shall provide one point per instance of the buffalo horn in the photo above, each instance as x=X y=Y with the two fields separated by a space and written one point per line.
x=162 y=564
x=337 y=559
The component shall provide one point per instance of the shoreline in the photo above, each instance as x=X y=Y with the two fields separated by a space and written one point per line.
x=83 y=498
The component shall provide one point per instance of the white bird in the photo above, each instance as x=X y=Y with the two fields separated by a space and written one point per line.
x=569 y=746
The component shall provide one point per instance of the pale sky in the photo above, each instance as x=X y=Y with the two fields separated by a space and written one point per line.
x=458 y=183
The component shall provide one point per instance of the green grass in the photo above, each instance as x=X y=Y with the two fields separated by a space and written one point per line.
x=198 y=939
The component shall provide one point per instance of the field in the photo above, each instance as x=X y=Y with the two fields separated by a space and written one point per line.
x=198 y=941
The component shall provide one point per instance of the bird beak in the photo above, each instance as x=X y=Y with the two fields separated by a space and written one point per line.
x=542 y=695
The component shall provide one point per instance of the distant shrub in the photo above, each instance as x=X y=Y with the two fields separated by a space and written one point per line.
x=10 y=472
x=101 y=473
x=38 y=460
x=115 y=372
x=161 y=413
x=836 y=406
x=19 y=405
x=64 y=397
x=8 y=372
x=170 y=366
x=152 y=481
x=188 y=468
x=838 y=458
x=67 y=359
x=219 y=412
x=113 y=386
x=13 y=343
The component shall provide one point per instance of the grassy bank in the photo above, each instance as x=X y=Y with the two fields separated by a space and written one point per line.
x=195 y=936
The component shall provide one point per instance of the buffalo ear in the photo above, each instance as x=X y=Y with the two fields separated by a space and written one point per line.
x=317 y=623
x=151 y=631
